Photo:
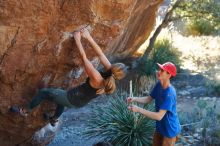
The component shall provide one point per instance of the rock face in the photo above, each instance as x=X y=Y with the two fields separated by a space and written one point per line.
x=36 y=45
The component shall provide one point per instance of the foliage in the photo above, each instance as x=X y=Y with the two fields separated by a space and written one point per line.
x=119 y=126
x=190 y=119
x=203 y=15
x=202 y=117
x=214 y=87
x=144 y=84
x=200 y=27
x=161 y=53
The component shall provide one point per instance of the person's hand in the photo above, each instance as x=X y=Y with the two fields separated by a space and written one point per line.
x=130 y=99
x=85 y=33
x=77 y=36
x=134 y=108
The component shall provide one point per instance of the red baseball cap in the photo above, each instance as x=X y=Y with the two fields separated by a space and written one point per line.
x=168 y=67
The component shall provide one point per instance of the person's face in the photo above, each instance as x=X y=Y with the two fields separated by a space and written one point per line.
x=163 y=75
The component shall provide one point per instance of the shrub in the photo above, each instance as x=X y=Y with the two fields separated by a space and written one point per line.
x=214 y=87
x=200 y=27
x=119 y=126
x=144 y=84
x=202 y=117
x=186 y=120
x=162 y=52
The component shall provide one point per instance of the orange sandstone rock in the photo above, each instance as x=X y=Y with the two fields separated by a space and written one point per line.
x=36 y=45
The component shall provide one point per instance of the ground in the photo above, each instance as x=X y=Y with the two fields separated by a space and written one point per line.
x=73 y=125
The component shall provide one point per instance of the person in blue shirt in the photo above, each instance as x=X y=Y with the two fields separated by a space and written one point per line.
x=167 y=121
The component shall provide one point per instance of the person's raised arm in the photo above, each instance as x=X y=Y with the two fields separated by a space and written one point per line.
x=104 y=60
x=92 y=73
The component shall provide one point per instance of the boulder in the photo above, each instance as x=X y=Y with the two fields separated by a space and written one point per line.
x=37 y=46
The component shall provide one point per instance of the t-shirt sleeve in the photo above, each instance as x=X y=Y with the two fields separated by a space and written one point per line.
x=168 y=103
x=154 y=91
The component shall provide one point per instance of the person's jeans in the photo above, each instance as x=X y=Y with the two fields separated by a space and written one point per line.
x=58 y=96
x=160 y=140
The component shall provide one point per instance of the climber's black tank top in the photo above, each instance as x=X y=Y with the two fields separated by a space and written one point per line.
x=81 y=95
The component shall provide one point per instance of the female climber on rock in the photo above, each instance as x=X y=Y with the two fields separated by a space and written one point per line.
x=97 y=82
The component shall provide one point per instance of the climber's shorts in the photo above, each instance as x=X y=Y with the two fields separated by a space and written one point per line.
x=59 y=96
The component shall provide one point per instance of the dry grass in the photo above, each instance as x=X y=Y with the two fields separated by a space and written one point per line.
x=200 y=54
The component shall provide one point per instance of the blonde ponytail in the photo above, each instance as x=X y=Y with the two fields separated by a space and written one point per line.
x=119 y=71
x=109 y=86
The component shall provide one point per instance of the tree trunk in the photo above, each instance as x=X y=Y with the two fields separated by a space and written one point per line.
x=164 y=24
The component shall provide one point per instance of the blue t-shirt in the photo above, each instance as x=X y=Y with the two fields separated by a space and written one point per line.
x=165 y=99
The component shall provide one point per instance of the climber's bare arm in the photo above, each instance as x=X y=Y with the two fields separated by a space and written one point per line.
x=104 y=60
x=93 y=74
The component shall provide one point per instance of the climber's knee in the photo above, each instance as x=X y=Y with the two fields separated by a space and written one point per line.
x=44 y=90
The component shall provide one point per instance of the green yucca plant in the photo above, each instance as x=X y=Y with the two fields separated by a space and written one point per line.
x=119 y=126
